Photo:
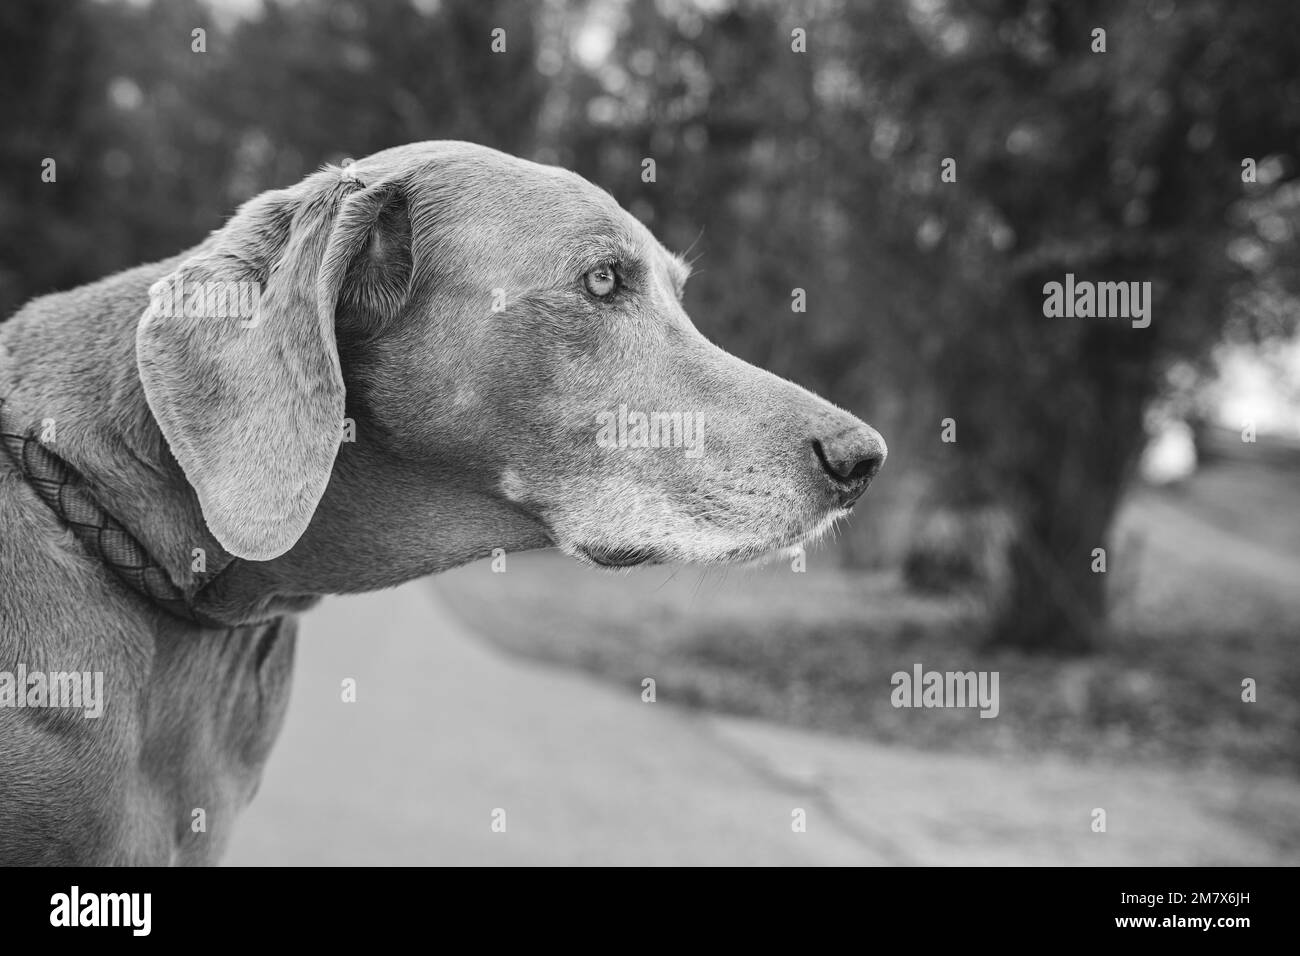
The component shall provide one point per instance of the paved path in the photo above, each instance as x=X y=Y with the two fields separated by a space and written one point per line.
x=445 y=730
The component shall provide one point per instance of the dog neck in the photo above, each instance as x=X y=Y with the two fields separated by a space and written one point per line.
x=68 y=362
x=67 y=367
x=66 y=494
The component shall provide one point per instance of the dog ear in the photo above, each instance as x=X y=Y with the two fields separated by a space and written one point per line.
x=370 y=258
x=251 y=398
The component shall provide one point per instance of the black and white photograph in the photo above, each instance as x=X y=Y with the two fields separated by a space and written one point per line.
x=651 y=433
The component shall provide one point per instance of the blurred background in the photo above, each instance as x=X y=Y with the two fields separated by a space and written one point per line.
x=1172 y=157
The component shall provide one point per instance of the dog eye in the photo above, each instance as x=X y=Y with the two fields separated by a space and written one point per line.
x=602 y=281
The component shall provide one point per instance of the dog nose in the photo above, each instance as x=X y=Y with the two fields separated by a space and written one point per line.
x=851 y=458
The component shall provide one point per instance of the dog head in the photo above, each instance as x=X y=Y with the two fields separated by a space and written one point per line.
x=489 y=325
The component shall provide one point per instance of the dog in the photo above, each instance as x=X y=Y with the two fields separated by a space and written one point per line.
x=395 y=367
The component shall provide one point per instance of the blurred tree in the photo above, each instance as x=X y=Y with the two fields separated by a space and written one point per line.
x=1117 y=166
x=309 y=82
x=50 y=85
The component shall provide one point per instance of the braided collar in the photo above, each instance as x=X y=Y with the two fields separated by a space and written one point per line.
x=66 y=494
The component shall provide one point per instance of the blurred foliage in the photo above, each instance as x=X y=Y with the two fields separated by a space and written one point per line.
x=779 y=170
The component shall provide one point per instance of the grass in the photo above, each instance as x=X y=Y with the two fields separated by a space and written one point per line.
x=1207 y=591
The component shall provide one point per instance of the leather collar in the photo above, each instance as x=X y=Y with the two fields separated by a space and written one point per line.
x=65 y=492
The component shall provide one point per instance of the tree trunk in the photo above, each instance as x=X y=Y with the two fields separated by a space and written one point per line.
x=1068 y=456
x=1055 y=602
